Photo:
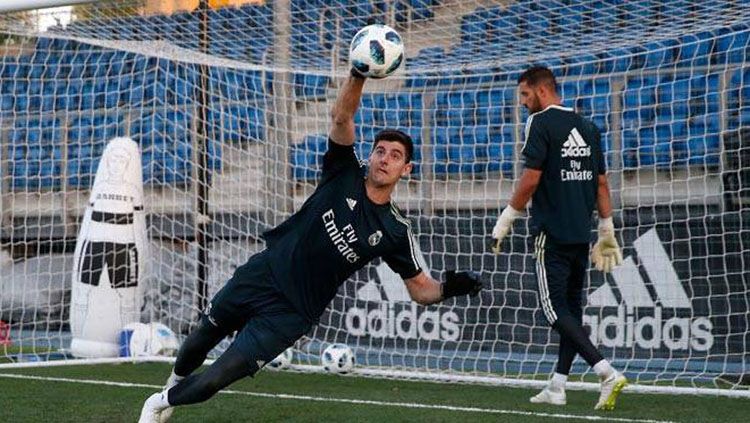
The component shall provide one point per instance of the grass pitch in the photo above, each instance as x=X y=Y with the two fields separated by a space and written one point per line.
x=115 y=393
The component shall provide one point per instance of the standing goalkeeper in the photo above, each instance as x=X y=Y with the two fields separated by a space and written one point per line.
x=564 y=172
x=279 y=294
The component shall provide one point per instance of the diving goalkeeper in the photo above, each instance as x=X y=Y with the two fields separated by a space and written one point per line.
x=278 y=295
x=564 y=171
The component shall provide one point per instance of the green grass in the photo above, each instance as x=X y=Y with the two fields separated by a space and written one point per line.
x=44 y=400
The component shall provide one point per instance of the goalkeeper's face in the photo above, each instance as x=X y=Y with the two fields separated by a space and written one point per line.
x=388 y=163
x=529 y=97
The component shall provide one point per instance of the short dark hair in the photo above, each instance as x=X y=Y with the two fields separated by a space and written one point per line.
x=396 y=136
x=538 y=74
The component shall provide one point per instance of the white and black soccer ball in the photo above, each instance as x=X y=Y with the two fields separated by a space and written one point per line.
x=338 y=358
x=282 y=361
x=150 y=339
x=376 y=51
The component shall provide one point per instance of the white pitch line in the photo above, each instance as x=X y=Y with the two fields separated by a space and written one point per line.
x=345 y=400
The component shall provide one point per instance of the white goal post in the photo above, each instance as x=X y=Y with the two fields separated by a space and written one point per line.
x=230 y=107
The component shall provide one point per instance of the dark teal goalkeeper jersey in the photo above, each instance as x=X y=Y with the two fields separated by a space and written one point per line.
x=337 y=231
x=567 y=149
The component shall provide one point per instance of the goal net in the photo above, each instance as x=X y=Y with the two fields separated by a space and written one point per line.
x=230 y=111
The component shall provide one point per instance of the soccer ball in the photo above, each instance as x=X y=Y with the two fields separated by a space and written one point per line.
x=282 y=361
x=376 y=51
x=338 y=358
x=149 y=339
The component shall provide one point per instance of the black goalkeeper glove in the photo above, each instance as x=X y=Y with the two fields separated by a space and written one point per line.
x=460 y=283
x=355 y=73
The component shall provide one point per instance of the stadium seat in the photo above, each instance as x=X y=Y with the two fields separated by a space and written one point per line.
x=704 y=150
x=309 y=86
x=659 y=53
x=695 y=49
x=306 y=157
x=617 y=60
x=737 y=51
x=674 y=99
x=501 y=25
x=453 y=158
x=638 y=13
x=473 y=27
x=586 y=64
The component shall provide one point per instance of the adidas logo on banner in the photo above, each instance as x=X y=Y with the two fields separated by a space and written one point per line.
x=390 y=313
x=575 y=146
x=634 y=324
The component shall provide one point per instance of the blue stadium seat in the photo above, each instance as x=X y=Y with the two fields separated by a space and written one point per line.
x=82 y=164
x=473 y=27
x=585 y=64
x=704 y=150
x=453 y=158
x=659 y=53
x=7 y=102
x=423 y=9
x=645 y=141
x=630 y=148
x=695 y=49
x=737 y=51
x=445 y=135
x=309 y=86
x=307 y=157
x=674 y=99
x=617 y=60
x=638 y=105
x=501 y=25
x=568 y=91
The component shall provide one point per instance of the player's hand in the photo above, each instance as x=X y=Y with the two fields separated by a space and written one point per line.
x=461 y=283
x=606 y=254
x=502 y=227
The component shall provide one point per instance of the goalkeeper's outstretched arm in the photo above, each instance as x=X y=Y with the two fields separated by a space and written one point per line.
x=342 y=114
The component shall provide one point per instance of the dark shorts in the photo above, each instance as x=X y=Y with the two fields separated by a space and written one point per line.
x=560 y=272
x=250 y=303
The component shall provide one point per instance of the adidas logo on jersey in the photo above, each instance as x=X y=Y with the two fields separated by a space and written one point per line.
x=639 y=320
x=351 y=203
x=575 y=146
x=392 y=314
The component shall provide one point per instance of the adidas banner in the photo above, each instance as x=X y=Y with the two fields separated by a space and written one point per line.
x=678 y=268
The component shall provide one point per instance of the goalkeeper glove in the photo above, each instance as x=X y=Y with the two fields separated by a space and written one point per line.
x=355 y=73
x=502 y=227
x=460 y=283
x=606 y=253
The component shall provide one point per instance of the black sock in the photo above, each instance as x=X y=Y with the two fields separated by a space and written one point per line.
x=231 y=366
x=565 y=356
x=572 y=331
x=196 y=347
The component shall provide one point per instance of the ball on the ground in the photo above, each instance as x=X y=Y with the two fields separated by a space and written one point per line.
x=282 y=361
x=376 y=51
x=151 y=339
x=338 y=358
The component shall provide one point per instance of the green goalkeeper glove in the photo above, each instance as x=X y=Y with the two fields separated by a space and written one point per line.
x=606 y=254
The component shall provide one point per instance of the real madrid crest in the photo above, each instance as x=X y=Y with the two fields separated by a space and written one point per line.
x=374 y=239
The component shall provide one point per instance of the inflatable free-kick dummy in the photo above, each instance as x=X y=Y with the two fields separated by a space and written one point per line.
x=110 y=255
